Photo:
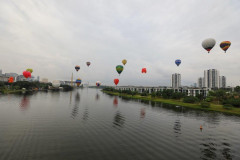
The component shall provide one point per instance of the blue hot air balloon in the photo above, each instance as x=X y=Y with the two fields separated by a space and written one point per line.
x=178 y=62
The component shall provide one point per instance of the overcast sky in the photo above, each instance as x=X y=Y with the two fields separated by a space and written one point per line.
x=53 y=36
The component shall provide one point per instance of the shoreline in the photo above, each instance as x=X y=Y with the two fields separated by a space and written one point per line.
x=213 y=107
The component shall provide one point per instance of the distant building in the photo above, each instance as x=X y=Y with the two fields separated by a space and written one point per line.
x=38 y=78
x=3 y=78
x=211 y=78
x=200 y=83
x=222 y=82
x=11 y=75
x=44 y=80
x=0 y=72
x=20 y=78
x=176 y=80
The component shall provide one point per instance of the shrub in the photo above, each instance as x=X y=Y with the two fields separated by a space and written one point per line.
x=190 y=99
x=153 y=94
x=227 y=106
x=205 y=104
x=144 y=94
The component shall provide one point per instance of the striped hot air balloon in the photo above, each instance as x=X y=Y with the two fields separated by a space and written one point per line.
x=178 y=62
x=119 y=69
x=78 y=81
x=225 y=45
x=77 y=67
x=88 y=63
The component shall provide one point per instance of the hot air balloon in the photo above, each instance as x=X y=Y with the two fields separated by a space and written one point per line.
x=77 y=67
x=225 y=45
x=56 y=83
x=27 y=74
x=29 y=70
x=10 y=80
x=119 y=69
x=178 y=62
x=116 y=81
x=124 y=61
x=88 y=63
x=98 y=83
x=144 y=70
x=208 y=44
x=78 y=81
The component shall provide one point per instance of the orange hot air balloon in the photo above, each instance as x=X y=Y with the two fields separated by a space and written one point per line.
x=116 y=81
x=144 y=70
x=10 y=80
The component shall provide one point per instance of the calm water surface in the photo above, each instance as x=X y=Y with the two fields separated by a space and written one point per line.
x=87 y=124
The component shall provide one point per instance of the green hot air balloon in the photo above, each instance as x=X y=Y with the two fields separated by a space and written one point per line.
x=119 y=69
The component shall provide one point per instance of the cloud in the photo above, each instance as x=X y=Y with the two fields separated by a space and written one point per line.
x=53 y=36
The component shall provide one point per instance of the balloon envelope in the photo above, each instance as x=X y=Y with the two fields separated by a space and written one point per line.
x=124 y=61
x=29 y=70
x=98 y=83
x=119 y=69
x=225 y=45
x=178 y=62
x=144 y=70
x=88 y=63
x=208 y=44
x=56 y=83
x=77 y=67
x=78 y=81
x=116 y=81
x=10 y=80
x=27 y=74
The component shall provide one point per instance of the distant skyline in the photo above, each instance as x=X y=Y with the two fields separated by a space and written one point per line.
x=53 y=36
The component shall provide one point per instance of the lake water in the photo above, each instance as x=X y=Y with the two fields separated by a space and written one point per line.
x=90 y=125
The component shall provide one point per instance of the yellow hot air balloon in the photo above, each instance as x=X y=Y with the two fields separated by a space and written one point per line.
x=124 y=61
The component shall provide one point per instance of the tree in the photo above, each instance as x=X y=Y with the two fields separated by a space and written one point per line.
x=190 y=99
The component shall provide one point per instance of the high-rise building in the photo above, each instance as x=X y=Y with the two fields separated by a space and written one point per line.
x=211 y=78
x=176 y=80
x=222 y=82
x=0 y=72
x=200 y=82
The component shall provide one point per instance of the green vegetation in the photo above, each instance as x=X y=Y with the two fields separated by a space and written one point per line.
x=15 y=87
x=218 y=100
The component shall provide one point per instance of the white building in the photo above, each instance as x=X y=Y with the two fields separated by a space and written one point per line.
x=211 y=78
x=222 y=82
x=200 y=82
x=176 y=80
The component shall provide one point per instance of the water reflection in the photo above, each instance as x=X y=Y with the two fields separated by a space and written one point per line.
x=208 y=149
x=118 y=120
x=177 y=127
x=24 y=104
x=76 y=106
x=226 y=151
x=115 y=101
x=85 y=114
x=142 y=113
x=97 y=97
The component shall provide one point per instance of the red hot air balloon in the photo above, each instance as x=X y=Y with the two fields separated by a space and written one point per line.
x=27 y=74
x=116 y=81
x=144 y=70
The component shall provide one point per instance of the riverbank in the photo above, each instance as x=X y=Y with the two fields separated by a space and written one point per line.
x=213 y=107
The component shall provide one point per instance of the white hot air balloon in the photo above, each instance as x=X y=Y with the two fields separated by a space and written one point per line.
x=56 y=83
x=208 y=44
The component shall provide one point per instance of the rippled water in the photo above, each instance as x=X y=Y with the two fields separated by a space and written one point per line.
x=87 y=124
